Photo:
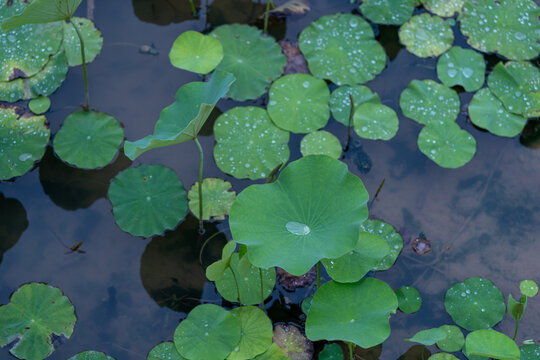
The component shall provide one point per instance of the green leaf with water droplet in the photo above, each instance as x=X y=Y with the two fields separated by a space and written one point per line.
x=164 y=351
x=93 y=41
x=217 y=199
x=42 y=11
x=391 y=12
x=331 y=352
x=428 y=337
x=530 y=352
x=256 y=333
x=386 y=232
x=442 y=356
x=48 y=79
x=321 y=143
x=409 y=299
x=491 y=344
x=463 y=67
x=196 y=52
x=425 y=35
x=454 y=339
x=96 y=355
x=529 y=288
x=39 y=105
x=375 y=122
x=340 y=100
x=443 y=8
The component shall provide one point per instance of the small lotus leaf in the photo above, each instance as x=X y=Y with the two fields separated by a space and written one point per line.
x=35 y=313
x=292 y=342
x=315 y=209
x=390 y=236
x=442 y=356
x=342 y=49
x=375 y=121
x=331 y=352
x=182 y=120
x=217 y=199
x=475 y=304
x=88 y=139
x=392 y=12
x=49 y=79
x=444 y=8
x=193 y=51
x=209 y=332
x=254 y=60
x=93 y=41
x=488 y=112
x=164 y=351
x=22 y=142
x=425 y=35
x=516 y=309
x=215 y=270
x=274 y=352
x=359 y=312
x=508 y=27
x=306 y=304
x=256 y=333
x=409 y=299
x=429 y=336
x=321 y=143
x=491 y=344
x=248 y=144
x=40 y=105
x=427 y=101
x=42 y=11
x=446 y=144
x=463 y=67
x=529 y=288
x=92 y=355
x=147 y=200
x=454 y=340
x=340 y=101
x=530 y=352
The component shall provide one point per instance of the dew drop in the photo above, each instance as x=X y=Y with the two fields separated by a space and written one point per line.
x=297 y=228
x=520 y=36
x=467 y=72
x=305 y=84
x=452 y=73
x=25 y=156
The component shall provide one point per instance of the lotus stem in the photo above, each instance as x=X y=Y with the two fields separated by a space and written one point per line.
x=269 y=3
x=318 y=275
x=236 y=282
x=262 y=291
x=83 y=57
x=193 y=8
x=351 y=116
x=205 y=243
x=515 y=332
x=351 y=350
x=201 y=162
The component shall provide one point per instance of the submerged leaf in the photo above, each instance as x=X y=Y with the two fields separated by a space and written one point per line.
x=425 y=35
x=72 y=45
x=42 y=11
x=217 y=199
x=392 y=12
x=196 y=52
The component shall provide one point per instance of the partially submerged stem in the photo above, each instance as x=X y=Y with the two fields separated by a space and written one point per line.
x=318 y=275
x=205 y=243
x=83 y=57
x=236 y=282
x=351 y=116
x=193 y=8
x=515 y=332
x=351 y=350
x=262 y=291
x=201 y=162
x=269 y=3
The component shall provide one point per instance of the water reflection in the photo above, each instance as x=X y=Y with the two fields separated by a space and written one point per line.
x=13 y=223
x=234 y=11
x=163 y=12
x=416 y=352
x=531 y=134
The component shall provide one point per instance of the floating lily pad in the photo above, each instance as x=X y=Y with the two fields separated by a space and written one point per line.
x=491 y=344
x=528 y=288
x=93 y=41
x=49 y=79
x=40 y=105
x=92 y=355
x=215 y=270
x=248 y=144
x=292 y=342
x=193 y=51
x=475 y=304
x=217 y=199
x=321 y=143
x=425 y=35
x=530 y=352
x=315 y=208
x=22 y=141
x=256 y=333
x=41 y=11
x=36 y=312
x=88 y=139
x=331 y=352
x=164 y=351
x=427 y=101
x=274 y=352
x=342 y=49
x=254 y=60
x=359 y=312
x=409 y=299
x=147 y=200
x=463 y=67
x=375 y=122
x=508 y=27
x=442 y=356
x=454 y=340
x=428 y=337
x=340 y=101
x=392 y=12
x=444 y=8
x=386 y=232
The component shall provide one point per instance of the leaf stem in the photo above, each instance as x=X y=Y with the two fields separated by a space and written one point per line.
x=515 y=332
x=83 y=57
x=269 y=3
x=205 y=243
x=201 y=163
x=236 y=282
x=193 y=8
x=351 y=116
x=262 y=292
x=351 y=350
x=318 y=275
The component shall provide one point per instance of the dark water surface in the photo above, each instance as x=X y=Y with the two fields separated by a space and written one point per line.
x=130 y=293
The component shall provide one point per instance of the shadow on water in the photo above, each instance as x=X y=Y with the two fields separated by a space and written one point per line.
x=13 y=223
x=163 y=12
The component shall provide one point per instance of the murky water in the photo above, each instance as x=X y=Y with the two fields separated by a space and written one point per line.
x=129 y=293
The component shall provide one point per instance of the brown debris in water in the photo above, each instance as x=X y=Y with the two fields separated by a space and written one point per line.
x=296 y=63
x=421 y=245
x=294 y=344
x=291 y=282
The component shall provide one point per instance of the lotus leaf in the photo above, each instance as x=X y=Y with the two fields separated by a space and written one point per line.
x=454 y=340
x=254 y=60
x=88 y=139
x=427 y=101
x=42 y=11
x=313 y=210
x=390 y=236
x=342 y=49
x=516 y=309
x=508 y=27
x=475 y=304
x=321 y=143
x=248 y=144
x=91 y=355
x=359 y=312
x=491 y=344
x=193 y=51
x=442 y=356
x=487 y=112
x=164 y=351
x=292 y=342
x=215 y=270
x=35 y=313
x=463 y=67
x=444 y=8
x=274 y=352
x=409 y=299
x=209 y=332
x=340 y=101
x=217 y=199
x=182 y=120
x=72 y=45
x=425 y=35
x=147 y=200
x=331 y=352
x=12 y=91
x=256 y=333
x=40 y=105
x=375 y=121
x=22 y=141
x=530 y=352
x=429 y=336
x=528 y=288
x=392 y=12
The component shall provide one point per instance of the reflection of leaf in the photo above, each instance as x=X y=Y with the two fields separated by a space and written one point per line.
x=163 y=12
x=13 y=222
x=42 y=11
x=234 y=11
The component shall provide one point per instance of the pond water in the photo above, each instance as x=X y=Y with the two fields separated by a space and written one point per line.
x=130 y=293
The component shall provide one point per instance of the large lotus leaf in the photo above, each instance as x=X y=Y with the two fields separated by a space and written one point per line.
x=409 y=299
x=248 y=144
x=463 y=67
x=164 y=351
x=530 y=352
x=35 y=313
x=72 y=45
x=92 y=355
x=292 y=342
x=427 y=101
x=39 y=105
x=182 y=120
x=321 y=143
x=425 y=35
x=508 y=27
x=196 y=52
x=375 y=121
x=217 y=199
x=147 y=200
x=475 y=304
x=340 y=101
x=342 y=49
x=88 y=139
x=429 y=336
x=444 y=8
x=529 y=288
x=487 y=112
x=256 y=333
x=254 y=60
x=359 y=312
x=313 y=211
x=274 y=352
x=491 y=344
x=49 y=79
x=22 y=141
x=517 y=85
x=209 y=332
x=446 y=144
x=454 y=340
x=386 y=232
x=42 y=11
x=392 y=12
x=299 y=103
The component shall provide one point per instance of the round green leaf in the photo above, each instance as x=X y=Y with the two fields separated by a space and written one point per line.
x=254 y=60
x=248 y=144
x=427 y=101
x=359 y=312
x=392 y=12
x=375 y=122
x=491 y=344
x=193 y=51
x=340 y=101
x=40 y=105
x=342 y=49
x=425 y=35
x=487 y=112
x=164 y=351
x=147 y=200
x=442 y=356
x=22 y=142
x=274 y=352
x=292 y=342
x=91 y=355
x=217 y=199
x=306 y=304
x=409 y=299
x=256 y=330
x=446 y=144
x=331 y=352
x=12 y=91
x=429 y=336
x=463 y=67
x=530 y=352
x=444 y=8
x=475 y=304
x=313 y=211
x=528 y=288
x=88 y=139
x=48 y=79
x=93 y=41
x=321 y=143
x=508 y=27
x=386 y=232
x=454 y=340
x=209 y=332
x=35 y=313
